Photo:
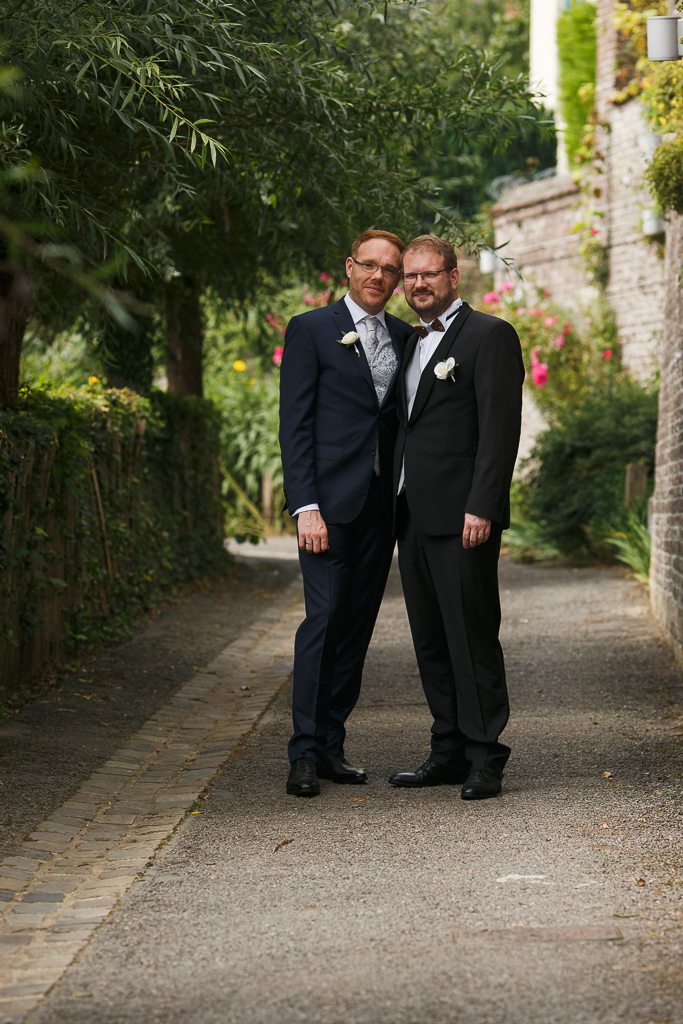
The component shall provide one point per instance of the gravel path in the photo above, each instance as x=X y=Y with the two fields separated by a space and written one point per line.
x=559 y=903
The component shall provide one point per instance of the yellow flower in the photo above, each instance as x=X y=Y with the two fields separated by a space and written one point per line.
x=93 y=380
x=252 y=381
x=239 y=365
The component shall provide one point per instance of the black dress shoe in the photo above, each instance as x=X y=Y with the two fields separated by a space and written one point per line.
x=480 y=785
x=303 y=778
x=431 y=774
x=339 y=770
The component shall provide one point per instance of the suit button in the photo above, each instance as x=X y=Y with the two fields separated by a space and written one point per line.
x=372 y=451
x=408 y=429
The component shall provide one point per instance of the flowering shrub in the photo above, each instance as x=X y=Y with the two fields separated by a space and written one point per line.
x=563 y=360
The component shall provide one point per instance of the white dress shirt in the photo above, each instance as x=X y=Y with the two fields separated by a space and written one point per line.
x=427 y=348
x=358 y=315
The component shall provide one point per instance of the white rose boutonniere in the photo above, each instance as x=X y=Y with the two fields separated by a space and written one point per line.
x=351 y=339
x=446 y=370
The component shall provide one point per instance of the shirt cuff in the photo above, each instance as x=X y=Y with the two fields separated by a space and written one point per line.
x=306 y=508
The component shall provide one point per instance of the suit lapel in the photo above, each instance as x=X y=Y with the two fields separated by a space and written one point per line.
x=403 y=369
x=427 y=379
x=344 y=323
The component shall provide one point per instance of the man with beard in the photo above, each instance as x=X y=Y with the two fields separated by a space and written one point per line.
x=337 y=432
x=459 y=407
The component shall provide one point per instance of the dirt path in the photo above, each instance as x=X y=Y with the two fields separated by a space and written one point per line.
x=559 y=903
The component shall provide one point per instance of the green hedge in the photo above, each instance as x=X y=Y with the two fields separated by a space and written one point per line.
x=574 y=492
x=106 y=500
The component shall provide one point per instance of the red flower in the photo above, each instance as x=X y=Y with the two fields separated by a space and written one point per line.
x=535 y=312
x=325 y=276
x=607 y=354
x=594 y=231
x=277 y=355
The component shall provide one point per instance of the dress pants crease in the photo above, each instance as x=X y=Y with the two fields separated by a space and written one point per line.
x=454 y=613
x=343 y=590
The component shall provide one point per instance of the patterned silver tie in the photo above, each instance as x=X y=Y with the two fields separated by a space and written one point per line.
x=381 y=360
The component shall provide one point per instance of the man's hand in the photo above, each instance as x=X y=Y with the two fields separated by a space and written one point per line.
x=312 y=532
x=476 y=531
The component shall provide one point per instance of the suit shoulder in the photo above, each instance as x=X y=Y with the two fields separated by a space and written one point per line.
x=487 y=326
x=313 y=318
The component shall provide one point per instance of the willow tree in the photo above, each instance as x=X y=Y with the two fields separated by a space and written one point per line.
x=167 y=147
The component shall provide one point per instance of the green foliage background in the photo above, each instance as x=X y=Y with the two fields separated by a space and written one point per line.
x=66 y=577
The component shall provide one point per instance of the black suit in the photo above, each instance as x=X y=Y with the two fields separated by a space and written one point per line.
x=459 y=446
x=330 y=427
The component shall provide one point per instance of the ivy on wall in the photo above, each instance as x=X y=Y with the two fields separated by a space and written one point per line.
x=576 y=45
x=632 y=65
x=106 y=500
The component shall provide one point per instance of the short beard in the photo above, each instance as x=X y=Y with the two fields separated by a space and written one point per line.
x=438 y=306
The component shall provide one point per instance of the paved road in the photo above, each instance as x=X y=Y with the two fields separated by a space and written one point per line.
x=400 y=907
x=58 y=740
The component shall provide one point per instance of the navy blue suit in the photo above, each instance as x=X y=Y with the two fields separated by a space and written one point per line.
x=331 y=425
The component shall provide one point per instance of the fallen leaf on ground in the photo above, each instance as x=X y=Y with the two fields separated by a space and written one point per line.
x=640 y=881
x=607 y=775
x=358 y=799
x=287 y=839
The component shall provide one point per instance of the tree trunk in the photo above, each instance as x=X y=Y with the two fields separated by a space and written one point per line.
x=15 y=301
x=184 y=336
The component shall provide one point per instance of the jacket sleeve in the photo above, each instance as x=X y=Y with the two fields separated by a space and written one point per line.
x=298 y=393
x=498 y=380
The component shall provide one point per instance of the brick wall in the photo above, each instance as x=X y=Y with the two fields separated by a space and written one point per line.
x=635 y=288
x=537 y=220
x=666 y=572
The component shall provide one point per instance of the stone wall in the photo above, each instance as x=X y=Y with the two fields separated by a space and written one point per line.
x=666 y=571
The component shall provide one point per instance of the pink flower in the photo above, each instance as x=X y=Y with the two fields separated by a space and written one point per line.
x=309 y=300
x=545 y=293
x=534 y=356
x=507 y=286
x=594 y=231
x=539 y=374
x=607 y=354
x=521 y=311
x=567 y=327
x=271 y=319
x=491 y=297
x=559 y=341
x=325 y=276
x=534 y=312
x=398 y=291
x=277 y=355
x=550 y=321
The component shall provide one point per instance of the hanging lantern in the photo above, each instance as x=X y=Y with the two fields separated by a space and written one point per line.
x=663 y=35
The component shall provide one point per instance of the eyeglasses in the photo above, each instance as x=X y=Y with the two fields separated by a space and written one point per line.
x=429 y=275
x=392 y=273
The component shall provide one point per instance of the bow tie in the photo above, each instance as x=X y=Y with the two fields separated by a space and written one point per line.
x=435 y=325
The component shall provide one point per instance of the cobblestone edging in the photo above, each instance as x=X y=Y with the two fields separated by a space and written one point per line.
x=65 y=880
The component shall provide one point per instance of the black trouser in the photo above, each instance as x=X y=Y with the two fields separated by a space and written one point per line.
x=454 y=611
x=343 y=589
